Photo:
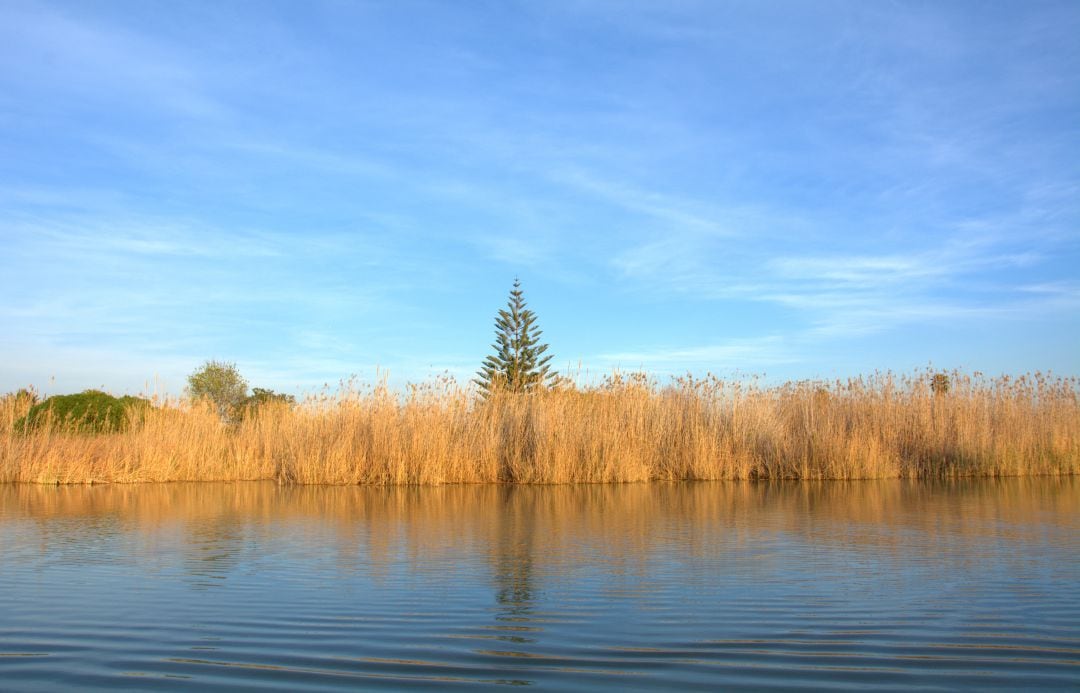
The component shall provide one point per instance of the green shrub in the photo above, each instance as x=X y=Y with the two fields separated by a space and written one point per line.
x=222 y=384
x=261 y=397
x=91 y=411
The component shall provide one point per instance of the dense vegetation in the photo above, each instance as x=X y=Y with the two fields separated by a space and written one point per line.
x=221 y=384
x=626 y=428
x=91 y=411
x=529 y=426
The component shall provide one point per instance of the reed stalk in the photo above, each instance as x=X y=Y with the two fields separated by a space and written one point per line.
x=626 y=428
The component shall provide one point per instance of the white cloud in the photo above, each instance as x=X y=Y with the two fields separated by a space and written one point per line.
x=738 y=353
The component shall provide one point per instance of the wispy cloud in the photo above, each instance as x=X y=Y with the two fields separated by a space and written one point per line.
x=845 y=294
x=682 y=186
x=101 y=61
x=89 y=236
x=738 y=353
x=676 y=213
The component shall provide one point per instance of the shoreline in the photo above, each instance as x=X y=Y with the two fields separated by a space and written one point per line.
x=540 y=484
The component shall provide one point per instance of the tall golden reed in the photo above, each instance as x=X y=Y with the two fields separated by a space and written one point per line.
x=626 y=428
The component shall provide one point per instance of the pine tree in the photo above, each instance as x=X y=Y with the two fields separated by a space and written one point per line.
x=518 y=364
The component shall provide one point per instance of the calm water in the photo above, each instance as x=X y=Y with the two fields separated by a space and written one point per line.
x=882 y=584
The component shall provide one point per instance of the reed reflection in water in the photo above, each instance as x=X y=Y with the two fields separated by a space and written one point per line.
x=884 y=583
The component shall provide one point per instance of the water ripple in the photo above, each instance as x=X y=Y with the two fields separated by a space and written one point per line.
x=887 y=585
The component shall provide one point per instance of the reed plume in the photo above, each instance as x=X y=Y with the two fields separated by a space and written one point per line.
x=625 y=428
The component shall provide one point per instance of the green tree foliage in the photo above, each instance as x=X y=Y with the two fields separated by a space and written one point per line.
x=519 y=363
x=91 y=411
x=222 y=384
x=261 y=397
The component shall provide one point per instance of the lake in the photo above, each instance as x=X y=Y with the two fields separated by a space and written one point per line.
x=884 y=584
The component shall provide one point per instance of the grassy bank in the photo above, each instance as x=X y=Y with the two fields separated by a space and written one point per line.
x=624 y=429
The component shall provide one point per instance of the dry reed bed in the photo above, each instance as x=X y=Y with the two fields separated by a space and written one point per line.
x=627 y=428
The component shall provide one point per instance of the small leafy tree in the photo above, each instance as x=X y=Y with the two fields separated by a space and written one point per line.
x=519 y=363
x=221 y=383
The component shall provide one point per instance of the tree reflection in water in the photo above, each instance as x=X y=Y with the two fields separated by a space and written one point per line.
x=526 y=535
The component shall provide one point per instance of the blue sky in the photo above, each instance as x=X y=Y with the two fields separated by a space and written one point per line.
x=315 y=190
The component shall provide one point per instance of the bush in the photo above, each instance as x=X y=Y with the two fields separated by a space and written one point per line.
x=91 y=411
x=261 y=397
x=222 y=384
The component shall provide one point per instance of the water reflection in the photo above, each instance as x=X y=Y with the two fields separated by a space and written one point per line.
x=521 y=531
x=513 y=555
x=677 y=584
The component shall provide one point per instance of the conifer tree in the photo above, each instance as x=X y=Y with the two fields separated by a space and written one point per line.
x=519 y=363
